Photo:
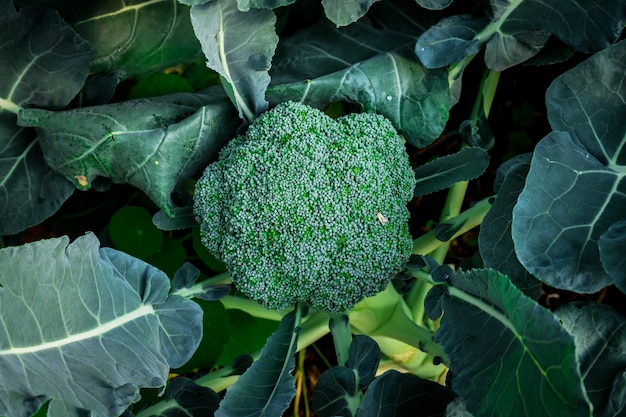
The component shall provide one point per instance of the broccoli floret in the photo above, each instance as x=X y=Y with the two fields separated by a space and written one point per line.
x=307 y=208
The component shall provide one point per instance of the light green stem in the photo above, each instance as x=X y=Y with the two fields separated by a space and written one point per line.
x=472 y=217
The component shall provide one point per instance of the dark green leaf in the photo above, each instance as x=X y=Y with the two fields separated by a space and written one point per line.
x=617 y=401
x=245 y=5
x=86 y=327
x=575 y=189
x=248 y=334
x=132 y=231
x=159 y=84
x=467 y=164
x=153 y=144
x=45 y=64
x=370 y=64
x=29 y=191
x=495 y=241
x=450 y=40
x=98 y=89
x=344 y=12
x=188 y=399
x=612 y=246
x=393 y=84
x=504 y=50
x=239 y=46
x=171 y=256
x=477 y=132
x=600 y=335
x=336 y=393
x=586 y=25
x=364 y=358
x=267 y=387
x=397 y=395
x=216 y=333
x=505 y=349
x=138 y=38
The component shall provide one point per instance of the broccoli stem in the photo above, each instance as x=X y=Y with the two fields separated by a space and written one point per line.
x=470 y=218
x=342 y=336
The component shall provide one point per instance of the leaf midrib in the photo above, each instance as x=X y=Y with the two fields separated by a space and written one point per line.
x=120 y=321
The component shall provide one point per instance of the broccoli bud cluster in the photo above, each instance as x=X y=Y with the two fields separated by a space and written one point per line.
x=307 y=208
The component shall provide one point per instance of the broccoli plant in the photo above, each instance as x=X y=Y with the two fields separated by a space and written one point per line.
x=305 y=208
x=312 y=208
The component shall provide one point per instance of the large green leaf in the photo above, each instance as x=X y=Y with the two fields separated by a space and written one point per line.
x=369 y=64
x=495 y=240
x=267 y=387
x=239 y=46
x=138 y=37
x=509 y=356
x=519 y=29
x=393 y=84
x=44 y=64
x=152 y=144
x=576 y=187
x=600 y=335
x=86 y=327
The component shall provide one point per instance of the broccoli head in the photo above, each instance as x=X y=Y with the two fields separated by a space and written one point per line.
x=307 y=208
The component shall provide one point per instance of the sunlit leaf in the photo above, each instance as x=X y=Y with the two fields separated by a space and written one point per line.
x=86 y=327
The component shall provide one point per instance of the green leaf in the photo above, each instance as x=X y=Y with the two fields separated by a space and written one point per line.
x=337 y=393
x=394 y=394
x=585 y=25
x=248 y=334
x=153 y=144
x=393 y=84
x=575 y=189
x=267 y=387
x=159 y=84
x=127 y=37
x=450 y=40
x=171 y=256
x=245 y=5
x=186 y=398
x=505 y=349
x=612 y=246
x=370 y=63
x=132 y=231
x=86 y=327
x=467 y=164
x=364 y=358
x=239 y=46
x=495 y=240
x=216 y=327
x=45 y=64
x=344 y=12
x=600 y=334
x=520 y=29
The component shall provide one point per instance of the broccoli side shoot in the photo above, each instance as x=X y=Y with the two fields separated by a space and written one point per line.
x=307 y=208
